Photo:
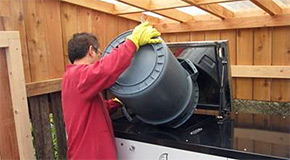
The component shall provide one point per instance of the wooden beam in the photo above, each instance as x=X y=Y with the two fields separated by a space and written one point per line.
x=233 y=23
x=137 y=17
x=201 y=2
x=259 y=71
x=108 y=8
x=175 y=15
x=126 y=9
x=171 y=14
x=156 y=5
x=167 y=4
x=43 y=87
x=18 y=93
x=268 y=6
x=213 y=9
x=93 y=4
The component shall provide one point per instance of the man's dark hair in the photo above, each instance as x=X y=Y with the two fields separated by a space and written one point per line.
x=79 y=45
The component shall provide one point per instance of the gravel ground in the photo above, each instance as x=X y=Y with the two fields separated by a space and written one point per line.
x=262 y=107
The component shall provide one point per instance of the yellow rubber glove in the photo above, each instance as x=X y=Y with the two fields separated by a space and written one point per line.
x=117 y=100
x=144 y=34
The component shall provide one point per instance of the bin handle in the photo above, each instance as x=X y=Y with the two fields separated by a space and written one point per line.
x=193 y=75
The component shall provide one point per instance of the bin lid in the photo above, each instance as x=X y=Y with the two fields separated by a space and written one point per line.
x=146 y=66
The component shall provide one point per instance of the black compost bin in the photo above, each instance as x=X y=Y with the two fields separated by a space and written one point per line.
x=155 y=86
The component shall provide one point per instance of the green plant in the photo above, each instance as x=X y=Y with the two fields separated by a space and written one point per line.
x=53 y=134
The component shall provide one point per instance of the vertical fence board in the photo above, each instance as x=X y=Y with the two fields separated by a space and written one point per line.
x=244 y=86
x=281 y=56
x=54 y=38
x=212 y=35
x=197 y=36
x=172 y=37
x=123 y=25
x=262 y=56
x=133 y=24
x=68 y=25
x=98 y=27
x=84 y=22
x=39 y=111
x=59 y=124
x=36 y=28
x=111 y=28
x=183 y=37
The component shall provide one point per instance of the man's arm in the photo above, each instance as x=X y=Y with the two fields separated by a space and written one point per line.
x=103 y=73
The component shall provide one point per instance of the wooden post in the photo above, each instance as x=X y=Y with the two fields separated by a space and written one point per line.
x=10 y=40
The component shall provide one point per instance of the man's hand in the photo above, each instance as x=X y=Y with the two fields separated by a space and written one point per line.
x=144 y=34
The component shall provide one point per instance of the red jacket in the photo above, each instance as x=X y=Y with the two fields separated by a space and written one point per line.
x=86 y=116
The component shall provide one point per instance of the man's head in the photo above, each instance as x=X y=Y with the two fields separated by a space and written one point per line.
x=83 y=48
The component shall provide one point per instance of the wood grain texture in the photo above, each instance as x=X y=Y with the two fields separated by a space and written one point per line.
x=43 y=87
x=262 y=56
x=54 y=45
x=39 y=109
x=68 y=25
x=84 y=21
x=261 y=72
x=15 y=22
x=244 y=86
x=183 y=37
x=18 y=97
x=111 y=28
x=270 y=7
x=36 y=39
x=197 y=36
x=280 y=90
x=98 y=28
x=8 y=139
x=232 y=23
x=5 y=11
x=212 y=35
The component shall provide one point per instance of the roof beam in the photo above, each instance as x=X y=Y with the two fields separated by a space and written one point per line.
x=93 y=4
x=213 y=9
x=202 y=2
x=137 y=17
x=123 y=8
x=109 y=8
x=268 y=6
x=167 y=4
x=172 y=14
x=233 y=23
x=180 y=16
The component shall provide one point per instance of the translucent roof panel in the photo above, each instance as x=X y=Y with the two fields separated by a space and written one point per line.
x=192 y=11
x=153 y=14
x=244 y=6
x=111 y=1
x=283 y=3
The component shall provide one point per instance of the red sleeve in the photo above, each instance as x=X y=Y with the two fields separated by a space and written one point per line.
x=111 y=105
x=103 y=73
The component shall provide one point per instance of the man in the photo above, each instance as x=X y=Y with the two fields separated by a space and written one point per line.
x=87 y=121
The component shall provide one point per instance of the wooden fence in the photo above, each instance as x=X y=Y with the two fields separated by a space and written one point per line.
x=41 y=107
